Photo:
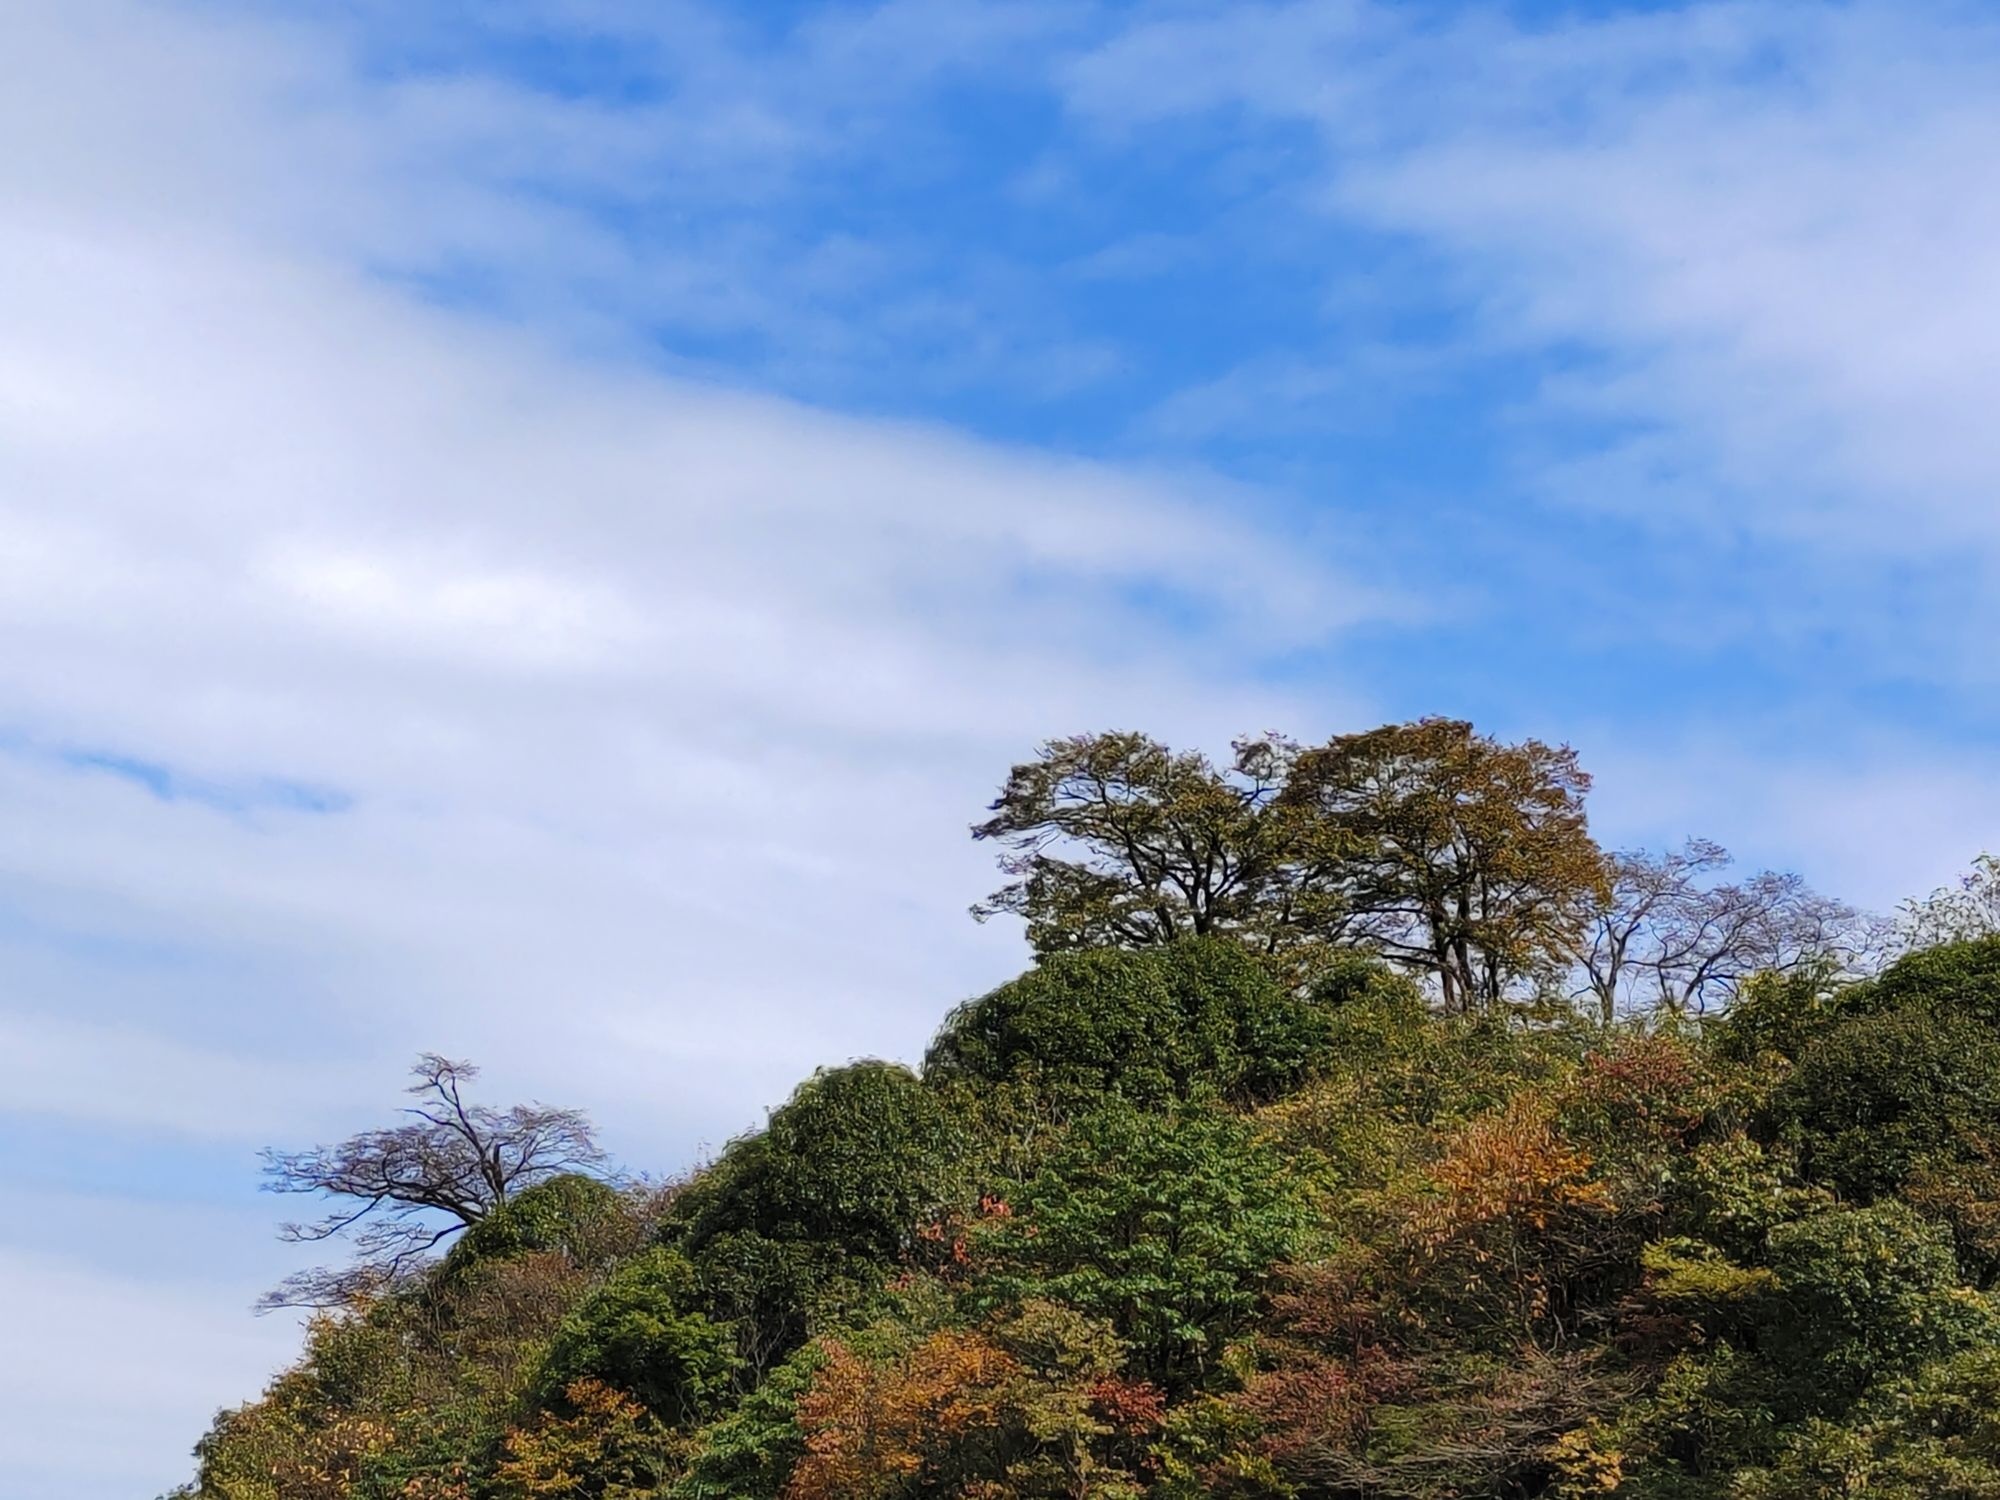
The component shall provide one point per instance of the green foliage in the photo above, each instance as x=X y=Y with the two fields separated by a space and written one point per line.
x=1775 y=1016
x=1700 y=1281
x=1116 y=840
x=749 y=1452
x=578 y=1217
x=1881 y=1093
x=1961 y=978
x=1905 y=1100
x=1173 y=1248
x=800 y=1223
x=1732 y=1192
x=853 y=1163
x=1348 y=978
x=1153 y=1026
x=1935 y=1436
x=645 y=1332
x=371 y=1412
x=1395 y=1074
x=1864 y=1293
x=1789 y=1359
x=1158 y=1222
x=1709 y=1416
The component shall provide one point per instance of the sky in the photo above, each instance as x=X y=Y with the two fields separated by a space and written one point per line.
x=531 y=528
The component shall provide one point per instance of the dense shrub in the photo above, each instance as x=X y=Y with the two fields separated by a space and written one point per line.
x=1862 y=1293
x=645 y=1332
x=584 y=1220
x=1880 y=1094
x=1960 y=979
x=1776 y=1016
x=804 y=1220
x=1152 y=1026
x=1156 y=1223
x=852 y=1163
x=1935 y=1436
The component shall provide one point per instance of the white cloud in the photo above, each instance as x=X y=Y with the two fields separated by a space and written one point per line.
x=637 y=723
x=1761 y=221
x=645 y=718
x=1874 y=822
x=576 y=640
x=109 y=1376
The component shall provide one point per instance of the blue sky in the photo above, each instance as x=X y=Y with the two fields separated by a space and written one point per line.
x=531 y=528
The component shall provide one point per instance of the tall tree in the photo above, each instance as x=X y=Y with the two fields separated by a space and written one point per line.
x=401 y=1191
x=1673 y=936
x=1458 y=856
x=1116 y=840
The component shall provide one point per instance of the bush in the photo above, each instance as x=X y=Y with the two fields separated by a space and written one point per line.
x=1394 y=1073
x=750 y=1452
x=1935 y=1436
x=854 y=1163
x=578 y=1217
x=1152 y=1026
x=1865 y=1293
x=1776 y=1016
x=1961 y=979
x=1880 y=1094
x=808 y=1216
x=645 y=1332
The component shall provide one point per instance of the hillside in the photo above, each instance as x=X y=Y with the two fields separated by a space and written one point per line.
x=1208 y=1216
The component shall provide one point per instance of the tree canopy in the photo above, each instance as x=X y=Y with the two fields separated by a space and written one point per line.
x=1464 y=859
x=1467 y=860
x=1114 y=839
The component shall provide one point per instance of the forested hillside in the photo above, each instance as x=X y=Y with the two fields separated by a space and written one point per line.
x=1361 y=1129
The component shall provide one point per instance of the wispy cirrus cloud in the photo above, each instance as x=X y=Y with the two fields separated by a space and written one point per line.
x=1749 y=239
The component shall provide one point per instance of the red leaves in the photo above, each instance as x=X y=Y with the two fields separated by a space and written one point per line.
x=1130 y=1406
x=1649 y=1087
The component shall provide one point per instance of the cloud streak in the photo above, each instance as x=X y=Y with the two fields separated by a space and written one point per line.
x=1753 y=231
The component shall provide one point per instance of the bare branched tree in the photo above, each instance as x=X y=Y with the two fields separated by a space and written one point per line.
x=402 y=1191
x=1675 y=937
x=1968 y=908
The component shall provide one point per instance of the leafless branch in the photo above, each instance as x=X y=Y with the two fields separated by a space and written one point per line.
x=403 y=1190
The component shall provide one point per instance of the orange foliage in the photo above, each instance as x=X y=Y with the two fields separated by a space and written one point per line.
x=1509 y=1165
x=1504 y=1217
x=1651 y=1087
x=329 y=1457
x=870 y=1427
x=1128 y=1406
x=293 y=1446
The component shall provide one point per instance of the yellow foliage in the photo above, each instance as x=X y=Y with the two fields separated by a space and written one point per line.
x=1582 y=1467
x=606 y=1449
